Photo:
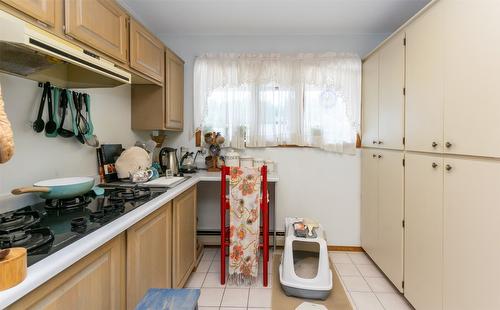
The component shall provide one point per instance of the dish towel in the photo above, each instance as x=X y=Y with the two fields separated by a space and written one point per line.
x=244 y=225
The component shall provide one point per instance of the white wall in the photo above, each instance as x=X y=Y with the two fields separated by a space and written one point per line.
x=38 y=157
x=313 y=183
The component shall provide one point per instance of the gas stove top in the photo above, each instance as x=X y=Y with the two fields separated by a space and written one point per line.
x=49 y=226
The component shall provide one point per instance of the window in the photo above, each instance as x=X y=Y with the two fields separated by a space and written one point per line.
x=271 y=100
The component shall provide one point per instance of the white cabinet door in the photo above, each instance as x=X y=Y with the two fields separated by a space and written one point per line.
x=370 y=101
x=391 y=97
x=471 y=88
x=424 y=82
x=369 y=201
x=471 y=234
x=423 y=263
x=390 y=216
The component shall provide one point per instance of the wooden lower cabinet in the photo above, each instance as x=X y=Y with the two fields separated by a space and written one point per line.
x=149 y=254
x=184 y=237
x=95 y=282
x=424 y=231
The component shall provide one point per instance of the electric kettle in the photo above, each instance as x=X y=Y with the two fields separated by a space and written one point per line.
x=168 y=160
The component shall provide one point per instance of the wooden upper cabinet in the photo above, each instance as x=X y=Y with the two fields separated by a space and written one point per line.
x=184 y=237
x=100 y=24
x=174 y=91
x=391 y=96
x=42 y=10
x=146 y=52
x=370 y=101
x=424 y=82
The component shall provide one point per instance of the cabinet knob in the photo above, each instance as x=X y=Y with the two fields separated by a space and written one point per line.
x=374 y=156
x=380 y=142
x=434 y=165
x=448 y=145
x=448 y=167
x=434 y=144
x=374 y=142
x=379 y=156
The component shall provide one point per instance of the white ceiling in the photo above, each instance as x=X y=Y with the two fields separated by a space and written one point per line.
x=273 y=17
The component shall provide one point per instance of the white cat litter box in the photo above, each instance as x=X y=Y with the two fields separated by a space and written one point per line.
x=305 y=267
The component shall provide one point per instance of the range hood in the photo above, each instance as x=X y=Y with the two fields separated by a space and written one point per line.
x=33 y=53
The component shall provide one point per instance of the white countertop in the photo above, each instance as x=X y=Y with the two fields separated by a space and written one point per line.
x=50 y=266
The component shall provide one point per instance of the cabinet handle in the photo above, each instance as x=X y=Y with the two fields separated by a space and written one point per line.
x=434 y=144
x=379 y=156
x=374 y=142
x=380 y=142
x=434 y=165
x=448 y=167
x=374 y=156
x=448 y=145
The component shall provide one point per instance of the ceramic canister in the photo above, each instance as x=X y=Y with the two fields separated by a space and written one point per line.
x=232 y=159
x=246 y=161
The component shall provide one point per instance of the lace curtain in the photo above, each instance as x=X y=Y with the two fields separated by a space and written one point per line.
x=259 y=100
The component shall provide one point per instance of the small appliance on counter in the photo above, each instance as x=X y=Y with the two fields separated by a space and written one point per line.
x=188 y=163
x=168 y=160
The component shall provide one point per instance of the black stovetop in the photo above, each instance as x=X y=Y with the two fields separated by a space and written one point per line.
x=49 y=226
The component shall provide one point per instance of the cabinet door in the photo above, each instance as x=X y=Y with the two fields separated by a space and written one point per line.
x=184 y=245
x=423 y=262
x=424 y=82
x=146 y=52
x=174 y=87
x=42 y=10
x=369 y=99
x=390 y=215
x=391 y=98
x=101 y=24
x=471 y=66
x=149 y=255
x=97 y=281
x=471 y=232
x=369 y=201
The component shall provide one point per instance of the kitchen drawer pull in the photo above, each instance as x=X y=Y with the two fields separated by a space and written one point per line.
x=379 y=156
x=374 y=142
x=380 y=142
x=448 y=168
x=434 y=165
x=448 y=145
x=434 y=144
x=374 y=156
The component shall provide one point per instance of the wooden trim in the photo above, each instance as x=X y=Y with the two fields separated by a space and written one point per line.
x=345 y=248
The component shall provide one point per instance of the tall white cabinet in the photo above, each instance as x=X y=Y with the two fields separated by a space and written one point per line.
x=450 y=184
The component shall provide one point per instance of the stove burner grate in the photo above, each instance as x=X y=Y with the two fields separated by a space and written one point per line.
x=67 y=204
x=18 y=220
x=31 y=239
x=126 y=194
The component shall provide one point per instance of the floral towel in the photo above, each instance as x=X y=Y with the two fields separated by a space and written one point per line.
x=244 y=223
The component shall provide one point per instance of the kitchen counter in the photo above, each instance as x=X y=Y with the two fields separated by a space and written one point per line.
x=42 y=271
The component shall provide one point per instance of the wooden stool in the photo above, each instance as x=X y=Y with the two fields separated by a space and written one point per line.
x=169 y=299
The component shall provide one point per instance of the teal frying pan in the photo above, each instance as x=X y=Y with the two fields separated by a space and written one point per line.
x=59 y=188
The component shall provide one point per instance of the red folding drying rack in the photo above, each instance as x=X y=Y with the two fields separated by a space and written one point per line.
x=264 y=225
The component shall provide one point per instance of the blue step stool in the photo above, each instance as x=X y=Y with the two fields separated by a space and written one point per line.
x=169 y=299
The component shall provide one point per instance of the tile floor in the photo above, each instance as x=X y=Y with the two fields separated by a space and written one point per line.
x=365 y=284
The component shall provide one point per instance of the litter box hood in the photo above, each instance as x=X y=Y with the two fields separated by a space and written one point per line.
x=33 y=53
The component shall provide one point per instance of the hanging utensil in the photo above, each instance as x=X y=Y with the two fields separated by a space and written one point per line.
x=90 y=137
x=53 y=111
x=50 y=126
x=39 y=124
x=63 y=106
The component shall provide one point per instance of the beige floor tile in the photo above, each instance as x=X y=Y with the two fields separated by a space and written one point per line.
x=360 y=258
x=259 y=309
x=203 y=266
x=347 y=270
x=235 y=297
x=260 y=297
x=340 y=258
x=366 y=301
x=208 y=308
x=380 y=285
x=208 y=256
x=356 y=284
x=369 y=271
x=195 y=280
x=213 y=280
x=393 y=301
x=210 y=297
